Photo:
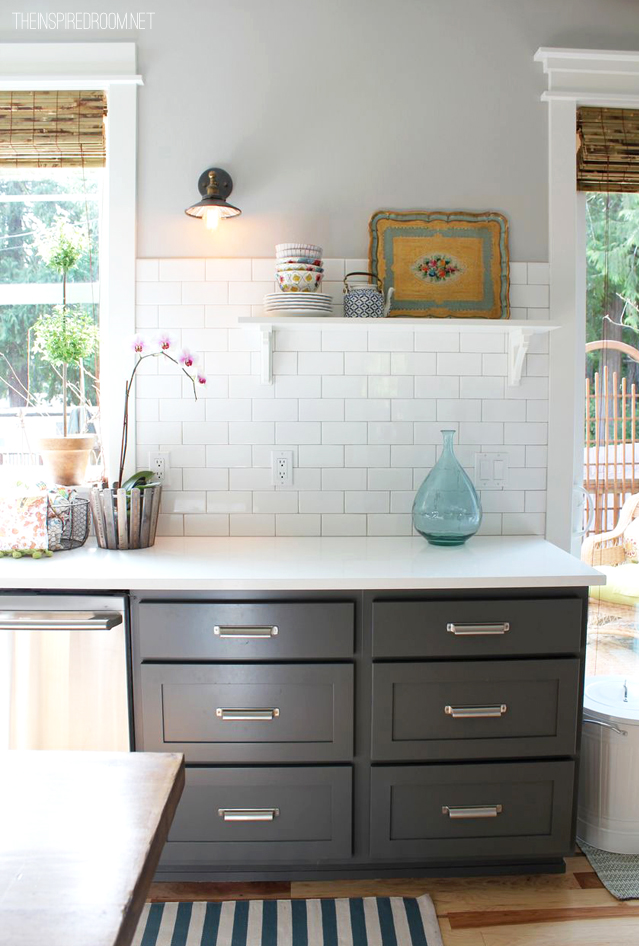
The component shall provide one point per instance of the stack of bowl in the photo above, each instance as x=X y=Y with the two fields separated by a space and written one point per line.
x=299 y=267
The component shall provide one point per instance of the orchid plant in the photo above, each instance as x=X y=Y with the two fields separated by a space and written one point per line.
x=162 y=348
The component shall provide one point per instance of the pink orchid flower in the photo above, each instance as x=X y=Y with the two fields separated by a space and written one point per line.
x=164 y=342
x=138 y=344
x=187 y=358
x=201 y=378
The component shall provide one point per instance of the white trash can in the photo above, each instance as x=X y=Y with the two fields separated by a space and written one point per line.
x=608 y=808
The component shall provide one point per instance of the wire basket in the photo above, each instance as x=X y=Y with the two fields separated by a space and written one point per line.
x=68 y=524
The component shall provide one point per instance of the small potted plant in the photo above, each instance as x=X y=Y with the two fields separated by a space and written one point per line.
x=126 y=516
x=64 y=338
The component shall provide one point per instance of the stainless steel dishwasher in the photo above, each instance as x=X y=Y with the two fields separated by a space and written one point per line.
x=64 y=680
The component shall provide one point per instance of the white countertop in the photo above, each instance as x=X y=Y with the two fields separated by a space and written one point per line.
x=304 y=564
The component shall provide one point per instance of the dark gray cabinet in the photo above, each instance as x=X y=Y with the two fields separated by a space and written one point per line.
x=474 y=709
x=364 y=734
x=254 y=713
x=514 y=809
x=260 y=815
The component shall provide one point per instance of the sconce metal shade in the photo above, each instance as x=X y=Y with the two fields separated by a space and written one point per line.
x=215 y=185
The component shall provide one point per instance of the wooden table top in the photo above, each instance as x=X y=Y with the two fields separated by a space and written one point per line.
x=81 y=834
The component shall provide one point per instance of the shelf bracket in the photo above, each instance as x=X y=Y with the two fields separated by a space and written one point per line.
x=266 y=350
x=518 y=343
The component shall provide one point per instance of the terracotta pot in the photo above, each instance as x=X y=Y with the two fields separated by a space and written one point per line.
x=67 y=458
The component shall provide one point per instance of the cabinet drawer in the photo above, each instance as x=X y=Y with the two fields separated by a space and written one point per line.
x=492 y=810
x=482 y=628
x=248 y=713
x=246 y=631
x=475 y=709
x=253 y=815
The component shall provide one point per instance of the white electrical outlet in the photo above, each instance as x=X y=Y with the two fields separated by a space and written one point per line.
x=159 y=465
x=491 y=470
x=282 y=467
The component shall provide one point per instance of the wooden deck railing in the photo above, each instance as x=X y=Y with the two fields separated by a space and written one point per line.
x=611 y=455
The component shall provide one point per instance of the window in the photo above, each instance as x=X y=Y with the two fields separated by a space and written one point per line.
x=37 y=204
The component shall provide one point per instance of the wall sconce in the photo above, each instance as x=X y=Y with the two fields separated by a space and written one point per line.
x=215 y=185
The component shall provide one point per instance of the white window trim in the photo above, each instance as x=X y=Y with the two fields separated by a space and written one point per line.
x=575 y=77
x=112 y=67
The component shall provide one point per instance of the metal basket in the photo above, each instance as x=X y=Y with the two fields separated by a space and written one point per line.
x=68 y=524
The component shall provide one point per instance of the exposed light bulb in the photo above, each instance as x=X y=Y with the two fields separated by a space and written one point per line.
x=212 y=217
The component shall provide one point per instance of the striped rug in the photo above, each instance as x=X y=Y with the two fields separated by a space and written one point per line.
x=368 y=921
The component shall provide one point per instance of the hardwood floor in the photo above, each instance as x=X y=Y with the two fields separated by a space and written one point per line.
x=538 y=910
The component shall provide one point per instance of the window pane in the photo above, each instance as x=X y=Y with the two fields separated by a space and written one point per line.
x=34 y=204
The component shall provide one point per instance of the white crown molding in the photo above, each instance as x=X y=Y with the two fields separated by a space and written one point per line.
x=590 y=76
x=60 y=65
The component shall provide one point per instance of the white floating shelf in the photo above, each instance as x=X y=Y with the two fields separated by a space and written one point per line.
x=519 y=333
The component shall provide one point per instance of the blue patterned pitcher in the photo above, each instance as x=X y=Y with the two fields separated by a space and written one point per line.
x=365 y=300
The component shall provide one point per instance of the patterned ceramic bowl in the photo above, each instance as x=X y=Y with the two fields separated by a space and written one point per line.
x=298 y=249
x=298 y=267
x=304 y=260
x=299 y=280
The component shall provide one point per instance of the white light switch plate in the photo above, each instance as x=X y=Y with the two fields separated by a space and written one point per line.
x=491 y=470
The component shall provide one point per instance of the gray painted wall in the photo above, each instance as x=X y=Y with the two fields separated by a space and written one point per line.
x=325 y=111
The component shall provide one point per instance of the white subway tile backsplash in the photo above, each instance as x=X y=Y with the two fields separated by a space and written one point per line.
x=539 y=273
x=275 y=501
x=275 y=409
x=390 y=479
x=367 y=409
x=247 y=293
x=361 y=408
x=532 y=297
x=311 y=409
x=346 y=478
x=206 y=525
x=158 y=293
x=391 y=341
x=391 y=524
x=183 y=502
x=146 y=270
x=413 y=363
x=363 y=363
x=207 y=479
x=343 y=525
x=396 y=432
x=366 y=501
x=461 y=364
x=320 y=501
x=252 y=524
x=320 y=362
x=335 y=386
x=181 y=270
x=518 y=275
x=308 y=432
x=205 y=293
x=146 y=316
x=391 y=386
x=415 y=409
x=297 y=524
x=230 y=270
x=252 y=432
x=354 y=432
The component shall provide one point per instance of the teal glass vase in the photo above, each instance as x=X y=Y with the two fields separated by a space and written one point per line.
x=446 y=510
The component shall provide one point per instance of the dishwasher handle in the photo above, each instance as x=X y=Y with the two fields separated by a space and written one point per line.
x=59 y=620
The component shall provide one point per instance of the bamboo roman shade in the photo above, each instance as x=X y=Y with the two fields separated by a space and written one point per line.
x=607 y=149
x=52 y=129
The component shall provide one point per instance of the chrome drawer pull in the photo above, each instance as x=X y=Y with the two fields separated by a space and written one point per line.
x=248 y=814
x=247 y=714
x=483 y=811
x=476 y=712
x=245 y=632
x=477 y=630
x=600 y=722
x=59 y=620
